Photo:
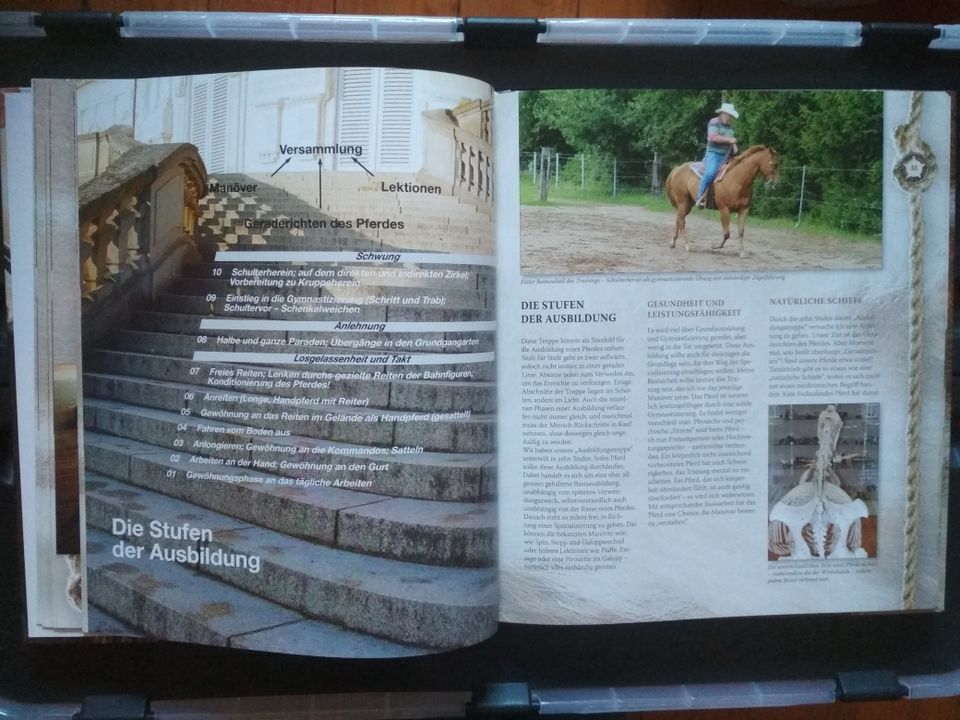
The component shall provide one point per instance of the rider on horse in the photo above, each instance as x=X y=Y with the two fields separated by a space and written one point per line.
x=720 y=143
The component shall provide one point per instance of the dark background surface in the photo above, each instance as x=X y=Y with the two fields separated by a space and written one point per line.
x=644 y=654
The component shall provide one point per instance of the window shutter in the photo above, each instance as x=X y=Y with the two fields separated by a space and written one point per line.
x=218 y=125
x=208 y=121
x=396 y=120
x=356 y=105
x=198 y=116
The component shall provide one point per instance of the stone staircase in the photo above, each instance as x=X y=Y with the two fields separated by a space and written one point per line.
x=371 y=519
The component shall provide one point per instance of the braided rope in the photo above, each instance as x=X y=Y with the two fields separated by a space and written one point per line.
x=908 y=140
x=912 y=513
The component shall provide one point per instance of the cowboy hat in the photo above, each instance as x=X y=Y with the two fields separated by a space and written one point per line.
x=728 y=108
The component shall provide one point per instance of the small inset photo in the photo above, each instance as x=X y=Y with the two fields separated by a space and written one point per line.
x=823 y=470
x=667 y=181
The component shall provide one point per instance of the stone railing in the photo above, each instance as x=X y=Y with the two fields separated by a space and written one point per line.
x=138 y=225
x=474 y=169
x=458 y=154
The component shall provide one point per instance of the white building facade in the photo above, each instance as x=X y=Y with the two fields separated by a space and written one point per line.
x=243 y=122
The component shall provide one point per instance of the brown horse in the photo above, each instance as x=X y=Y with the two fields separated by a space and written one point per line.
x=731 y=194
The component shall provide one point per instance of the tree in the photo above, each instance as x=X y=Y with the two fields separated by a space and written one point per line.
x=588 y=121
x=671 y=122
x=845 y=130
x=535 y=131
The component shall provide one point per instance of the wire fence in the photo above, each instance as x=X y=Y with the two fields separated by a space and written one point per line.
x=847 y=199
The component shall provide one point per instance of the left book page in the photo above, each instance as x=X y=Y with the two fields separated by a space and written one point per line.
x=46 y=389
x=287 y=288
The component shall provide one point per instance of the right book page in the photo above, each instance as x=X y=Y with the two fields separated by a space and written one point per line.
x=729 y=410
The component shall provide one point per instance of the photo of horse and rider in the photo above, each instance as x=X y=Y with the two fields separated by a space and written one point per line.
x=667 y=180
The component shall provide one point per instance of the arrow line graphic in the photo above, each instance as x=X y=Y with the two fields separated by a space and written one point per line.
x=280 y=168
x=362 y=165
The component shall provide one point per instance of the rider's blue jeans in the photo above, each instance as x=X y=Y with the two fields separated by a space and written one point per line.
x=711 y=162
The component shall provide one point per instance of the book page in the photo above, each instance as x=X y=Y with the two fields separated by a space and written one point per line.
x=287 y=286
x=723 y=415
x=47 y=390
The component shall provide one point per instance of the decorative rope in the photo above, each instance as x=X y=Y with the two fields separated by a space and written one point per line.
x=914 y=172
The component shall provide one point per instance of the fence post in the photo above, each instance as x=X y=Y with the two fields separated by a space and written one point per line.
x=544 y=173
x=536 y=168
x=582 y=171
x=803 y=184
x=557 y=173
x=655 y=175
x=614 y=177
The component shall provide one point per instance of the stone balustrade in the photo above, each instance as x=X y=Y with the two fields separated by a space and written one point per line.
x=458 y=150
x=474 y=167
x=138 y=225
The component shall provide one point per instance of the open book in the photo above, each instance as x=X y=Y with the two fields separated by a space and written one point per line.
x=298 y=372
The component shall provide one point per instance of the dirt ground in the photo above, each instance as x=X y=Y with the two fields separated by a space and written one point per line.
x=614 y=238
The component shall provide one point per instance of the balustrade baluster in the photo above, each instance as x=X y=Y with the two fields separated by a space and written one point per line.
x=88 y=269
x=125 y=220
x=191 y=206
x=105 y=247
x=489 y=175
x=144 y=236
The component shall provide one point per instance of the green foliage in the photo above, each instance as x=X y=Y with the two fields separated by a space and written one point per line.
x=835 y=135
x=589 y=121
x=847 y=130
x=671 y=122
x=536 y=132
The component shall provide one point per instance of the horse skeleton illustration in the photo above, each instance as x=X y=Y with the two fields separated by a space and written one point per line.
x=820 y=504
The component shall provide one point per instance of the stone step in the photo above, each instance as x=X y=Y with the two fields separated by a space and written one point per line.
x=293 y=390
x=261 y=217
x=258 y=220
x=459 y=432
x=409 y=204
x=419 y=244
x=303 y=309
x=471 y=246
x=344 y=187
x=348 y=294
x=237 y=238
x=174 y=325
x=442 y=239
x=100 y=622
x=444 y=207
x=292 y=263
x=362 y=214
x=213 y=445
x=348 y=363
x=239 y=275
x=234 y=239
x=345 y=204
x=414 y=530
x=468 y=248
x=349 y=179
x=184 y=345
x=176 y=603
x=337 y=184
x=426 y=297
x=423 y=605
x=265 y=192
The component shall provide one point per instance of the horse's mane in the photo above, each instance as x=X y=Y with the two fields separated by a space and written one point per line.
x=749 y=152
